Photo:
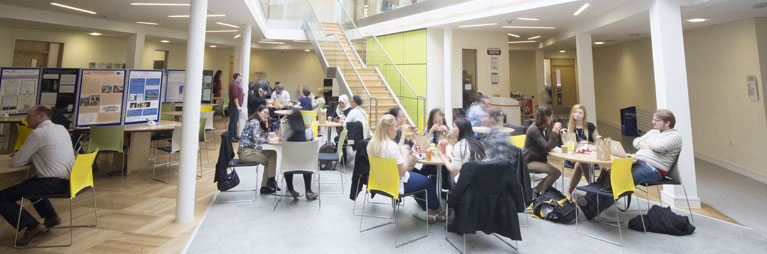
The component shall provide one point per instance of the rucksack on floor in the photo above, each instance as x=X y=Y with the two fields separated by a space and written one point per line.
x=552 y=205
x=328 y=165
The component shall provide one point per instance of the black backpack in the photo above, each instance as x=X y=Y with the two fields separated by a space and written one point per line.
x=552 y=205
x=328 y=165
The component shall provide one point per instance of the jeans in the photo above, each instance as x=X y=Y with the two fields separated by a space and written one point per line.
x=641 y=172
x=234 y=116
x=418 y=182
x=9 y=209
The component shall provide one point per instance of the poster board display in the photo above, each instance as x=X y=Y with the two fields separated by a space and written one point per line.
x=18 y=89
x=174 y=86
x=100 y=97
x=143 y=96
x=207 y=86
x=58 y=86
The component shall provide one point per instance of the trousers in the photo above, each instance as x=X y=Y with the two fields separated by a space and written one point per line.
x=9 y=209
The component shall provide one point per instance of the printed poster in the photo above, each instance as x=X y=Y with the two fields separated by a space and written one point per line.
x=174 y=87
x=143 y=96
x=18 y=89
x=207 y=86
x=100 y=97
x=58 y=87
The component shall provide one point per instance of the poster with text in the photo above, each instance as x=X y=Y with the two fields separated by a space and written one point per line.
x=100 y=97
x=174 y=87
x=207 y=86
x=58 y=87
x=143 y=103
x=18 y=89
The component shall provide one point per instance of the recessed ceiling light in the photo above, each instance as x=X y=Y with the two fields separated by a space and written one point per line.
x=212 y=46
x=534 y=37
x=146 y=23
x=165 y=41
x=307 y=50
x=515 y=42
x=225 y=24
x=530 y=19
x=478 y=25
x=73 y=8
x=186 y=16
x=636 y=34
x=562 y=51
x=513 y=35
x=271 y=42
x=599 y=42
x=301 y=41
x=95 y=34
x=583 y=8
x=158 y=4
x=696 y=20
x=237 y=36
x=530 y=27
x=220 y=31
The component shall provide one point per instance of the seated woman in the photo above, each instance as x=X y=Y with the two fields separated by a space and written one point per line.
x=319 y=99
x=538 y=143
x=296 y=131
x=585 y=132
x=254 y=134
x=305 y=100
x=342 y=109
x=435 y=127
x=467 y=148
x=356 y=114
x=382 y=146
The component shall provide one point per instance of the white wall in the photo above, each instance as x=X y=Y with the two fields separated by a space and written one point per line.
x=481 y=41
x=434 y=71
x=728 y=128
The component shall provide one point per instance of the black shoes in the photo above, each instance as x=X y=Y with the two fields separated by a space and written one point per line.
x=267 y=190
x=52 y=221
x=271 y=187
x=589 y=209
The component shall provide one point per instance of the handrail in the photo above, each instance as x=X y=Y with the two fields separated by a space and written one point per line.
x=346 y=13
x=362 y=82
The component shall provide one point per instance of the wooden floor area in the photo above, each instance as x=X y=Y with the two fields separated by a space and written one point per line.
x=138 y=217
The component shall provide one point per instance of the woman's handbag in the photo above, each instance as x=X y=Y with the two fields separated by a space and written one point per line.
x=231 y=181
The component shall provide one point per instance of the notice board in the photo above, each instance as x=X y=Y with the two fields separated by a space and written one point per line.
x=100 y=97
x=18 y=89
x=58 y=86
x=143 y=96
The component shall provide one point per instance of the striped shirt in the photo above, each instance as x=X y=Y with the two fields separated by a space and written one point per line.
x=668 y=144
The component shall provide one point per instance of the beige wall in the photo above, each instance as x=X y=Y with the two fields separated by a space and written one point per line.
x=290 y=67
x=727 y=126
x=761 y=38
x=481 y=41
x=522 y=72
x=79 y=48
x=623 y=77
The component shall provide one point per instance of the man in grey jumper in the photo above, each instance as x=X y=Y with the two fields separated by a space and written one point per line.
x=656 y=152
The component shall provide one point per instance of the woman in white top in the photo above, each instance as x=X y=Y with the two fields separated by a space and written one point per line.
x=342 y=109
x=382 y=146
x=467 y=148
x=356 y=114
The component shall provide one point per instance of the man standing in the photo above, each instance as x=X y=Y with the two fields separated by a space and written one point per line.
x=657 y=150
x=235 y=105
x=49 y=149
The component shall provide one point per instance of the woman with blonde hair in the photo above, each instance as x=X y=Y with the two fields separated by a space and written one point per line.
x=585 y=132
x=382 y=146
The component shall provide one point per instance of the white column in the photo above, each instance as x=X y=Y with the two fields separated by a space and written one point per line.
x=244 y=71
x=540 y=79
x=448 y=72
x=135 y=56
x=195 y=47
x=671 y=92
x=585 y=63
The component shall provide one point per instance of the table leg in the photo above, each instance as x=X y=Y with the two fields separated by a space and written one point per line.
x=439 y=182
x=138 y=153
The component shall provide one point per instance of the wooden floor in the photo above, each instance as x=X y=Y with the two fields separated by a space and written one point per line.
x=138 y=217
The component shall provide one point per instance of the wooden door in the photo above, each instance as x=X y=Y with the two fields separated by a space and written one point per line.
x=564 y=91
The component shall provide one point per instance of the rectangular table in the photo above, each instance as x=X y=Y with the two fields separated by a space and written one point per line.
x=140 y=139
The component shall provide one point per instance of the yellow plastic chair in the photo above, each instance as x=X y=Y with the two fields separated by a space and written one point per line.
x=206 y=108
x=80 y=180
x=384 y=180
x=22 y=133
x=622 y=183
x=315 y=129
x=309 y=116
x=518 y=141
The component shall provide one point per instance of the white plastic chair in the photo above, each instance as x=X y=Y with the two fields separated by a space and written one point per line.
x=175 y=147
x=307 y=161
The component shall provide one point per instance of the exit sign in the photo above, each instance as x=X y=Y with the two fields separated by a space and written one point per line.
x=494 y=51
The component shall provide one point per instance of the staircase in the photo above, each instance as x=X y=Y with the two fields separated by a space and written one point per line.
x=343 y=56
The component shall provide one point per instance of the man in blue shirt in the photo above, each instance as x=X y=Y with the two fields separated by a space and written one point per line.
x=477 y=112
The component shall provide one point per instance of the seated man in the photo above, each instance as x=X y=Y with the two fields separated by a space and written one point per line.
x=476 y=113
x=496 y=143
x=49 y=149
x=656 y=152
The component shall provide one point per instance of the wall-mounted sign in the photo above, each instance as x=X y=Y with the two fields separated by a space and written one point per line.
x=494 y=51
x=753 y=90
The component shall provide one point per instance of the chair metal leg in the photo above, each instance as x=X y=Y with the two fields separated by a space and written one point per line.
x=254 y=190
x=620 y=233
x=689 y=208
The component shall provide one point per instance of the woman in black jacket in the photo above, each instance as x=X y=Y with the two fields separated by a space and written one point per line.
x=538 y=142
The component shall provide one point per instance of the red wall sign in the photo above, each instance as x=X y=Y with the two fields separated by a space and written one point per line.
x=494 y=51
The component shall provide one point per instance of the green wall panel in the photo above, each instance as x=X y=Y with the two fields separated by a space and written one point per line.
x=415 y=47
x=395 y=47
